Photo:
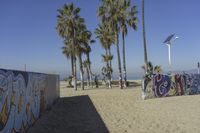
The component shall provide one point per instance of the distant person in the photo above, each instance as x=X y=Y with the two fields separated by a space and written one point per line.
x=96 y=81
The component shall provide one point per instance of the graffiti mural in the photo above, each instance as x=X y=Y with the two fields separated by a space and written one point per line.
x=159 y=85
x=23 y=97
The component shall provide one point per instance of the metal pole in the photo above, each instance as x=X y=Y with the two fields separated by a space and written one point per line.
x=169 y=54
x=168 y=42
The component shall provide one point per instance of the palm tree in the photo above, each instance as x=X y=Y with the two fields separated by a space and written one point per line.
x=106 y=37
x=152 y=69
x=157 y=69
x=144 y=39
x=129 y=19
x=68 y=24
x=111 y=12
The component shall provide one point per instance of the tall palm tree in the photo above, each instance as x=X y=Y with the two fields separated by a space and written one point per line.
x=106 y=37
x=144 y=39
x=111 y=12
x=68 y=24
x=129 y=19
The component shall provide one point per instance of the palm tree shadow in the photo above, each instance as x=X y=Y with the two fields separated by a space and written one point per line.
x=71 y=115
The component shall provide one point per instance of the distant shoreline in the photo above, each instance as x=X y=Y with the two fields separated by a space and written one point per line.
x=115 y=79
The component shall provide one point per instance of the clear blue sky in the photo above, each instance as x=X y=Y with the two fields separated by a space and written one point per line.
x=28 y=35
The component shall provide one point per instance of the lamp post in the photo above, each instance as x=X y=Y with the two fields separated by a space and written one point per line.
x=168 y=42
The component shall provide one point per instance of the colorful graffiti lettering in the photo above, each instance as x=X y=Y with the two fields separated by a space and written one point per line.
x=175 y=85
x=22 y=98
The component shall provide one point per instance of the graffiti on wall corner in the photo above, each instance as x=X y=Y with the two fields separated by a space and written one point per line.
x=159 y=85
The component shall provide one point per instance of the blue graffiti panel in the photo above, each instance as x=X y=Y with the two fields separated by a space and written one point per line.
x=161 y=85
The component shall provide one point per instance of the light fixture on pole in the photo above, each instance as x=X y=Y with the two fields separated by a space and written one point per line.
x=168 y=42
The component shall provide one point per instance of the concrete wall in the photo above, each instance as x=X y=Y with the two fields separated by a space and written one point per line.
x=174 y=85
x=23 y=97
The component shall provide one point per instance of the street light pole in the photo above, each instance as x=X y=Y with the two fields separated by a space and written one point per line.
x=168 y=42
x=169 y=55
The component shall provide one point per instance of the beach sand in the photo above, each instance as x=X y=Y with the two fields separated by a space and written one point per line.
x=119 y=111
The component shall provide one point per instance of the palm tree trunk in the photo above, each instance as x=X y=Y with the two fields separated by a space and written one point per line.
x=110 y=63
x=144 y=38
x=89 y=68
x=108 y=71
x=88 y=76
x=75 y=80
x=74 y=57
x=124 y=59
x=72 y=68
x=81 y=71
x=72 y=64
x=119 y=62
x=88 y=58
x=90 y=73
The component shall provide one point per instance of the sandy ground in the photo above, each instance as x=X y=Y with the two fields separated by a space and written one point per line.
x=119 y=111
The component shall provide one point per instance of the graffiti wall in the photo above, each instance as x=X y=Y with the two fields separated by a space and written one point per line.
x=23 y=97
x=170 y=85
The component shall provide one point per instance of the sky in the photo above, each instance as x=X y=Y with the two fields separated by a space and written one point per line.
x=28 y=35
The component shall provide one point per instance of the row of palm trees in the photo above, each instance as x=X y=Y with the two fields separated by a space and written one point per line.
x=77 y=39
x=106 y=38
x=115 y=18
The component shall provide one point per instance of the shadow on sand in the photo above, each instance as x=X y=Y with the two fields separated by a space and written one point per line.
x=71 y=115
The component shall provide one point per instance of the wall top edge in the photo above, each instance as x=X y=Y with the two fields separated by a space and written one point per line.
x=2 y=69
